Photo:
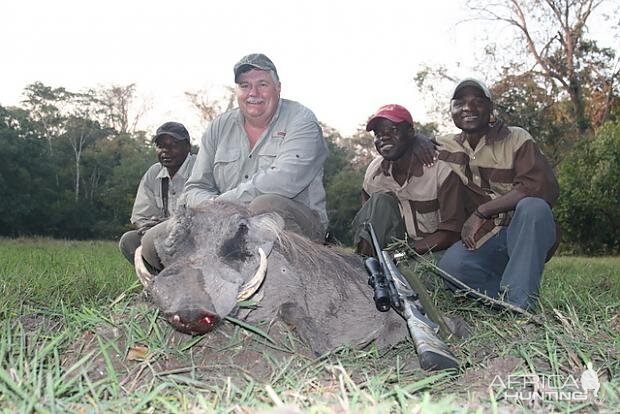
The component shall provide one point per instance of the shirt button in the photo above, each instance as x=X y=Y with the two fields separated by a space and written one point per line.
x=250 y=156
x=473 y=157
x=246 y=176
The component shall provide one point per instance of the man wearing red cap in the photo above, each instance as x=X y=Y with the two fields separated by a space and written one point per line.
x=402 y=196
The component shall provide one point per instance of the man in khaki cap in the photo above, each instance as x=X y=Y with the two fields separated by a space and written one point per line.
x=511 y=232
x=267 y=154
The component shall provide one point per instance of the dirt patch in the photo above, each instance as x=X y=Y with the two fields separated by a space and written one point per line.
x=226 y=354
x=478 y=379
x=34 y=322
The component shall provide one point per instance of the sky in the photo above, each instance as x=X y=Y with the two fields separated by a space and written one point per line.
x=342 y=59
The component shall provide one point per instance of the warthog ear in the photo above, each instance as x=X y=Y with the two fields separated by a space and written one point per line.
x=264 y=230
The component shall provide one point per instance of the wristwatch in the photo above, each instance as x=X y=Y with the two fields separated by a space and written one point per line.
x=477 y=213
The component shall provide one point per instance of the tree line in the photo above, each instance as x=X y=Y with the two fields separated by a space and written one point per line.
x=73 y=160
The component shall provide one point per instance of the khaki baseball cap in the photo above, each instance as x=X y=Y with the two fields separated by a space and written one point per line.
x=476 y=84
x=254 y=60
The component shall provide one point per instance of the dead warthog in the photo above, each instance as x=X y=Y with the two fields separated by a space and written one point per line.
x=218 y=255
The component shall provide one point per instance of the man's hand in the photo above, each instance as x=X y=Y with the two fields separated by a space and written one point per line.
x=425 y=149
x=470 y=228
x=144 y=225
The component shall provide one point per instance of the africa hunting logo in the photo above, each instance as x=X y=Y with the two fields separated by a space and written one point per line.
x=545 y=387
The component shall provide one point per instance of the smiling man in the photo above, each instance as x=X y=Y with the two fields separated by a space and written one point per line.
x=161 y=185
x=511 y=232
x=402 y=196
x=267 y=154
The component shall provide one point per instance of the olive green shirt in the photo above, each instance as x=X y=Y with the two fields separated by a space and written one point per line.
x=287 y=160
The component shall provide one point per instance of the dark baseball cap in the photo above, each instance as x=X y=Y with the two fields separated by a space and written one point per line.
x=175 y=129
x=478 y=84
x=254 y=60
x=393 y=112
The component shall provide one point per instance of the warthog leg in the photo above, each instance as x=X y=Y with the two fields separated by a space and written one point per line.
x=294 y=316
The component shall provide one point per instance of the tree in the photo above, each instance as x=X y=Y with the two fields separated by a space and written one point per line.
x=553 y=33
x=118 y=104
x=26 y=176
x=209 y=107
x=45 y=106
x=83 y=129
x=525 y=100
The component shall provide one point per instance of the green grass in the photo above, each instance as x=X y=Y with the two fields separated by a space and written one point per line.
x=51 y=272
x=71 y=314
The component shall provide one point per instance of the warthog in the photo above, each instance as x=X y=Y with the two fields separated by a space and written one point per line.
x=221 y=254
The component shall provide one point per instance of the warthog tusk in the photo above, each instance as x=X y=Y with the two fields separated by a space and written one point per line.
x=143 y=274
x=251 y=286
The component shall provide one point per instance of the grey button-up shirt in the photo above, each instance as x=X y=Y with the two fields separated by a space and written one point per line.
x=287 y=160
x=149 y=201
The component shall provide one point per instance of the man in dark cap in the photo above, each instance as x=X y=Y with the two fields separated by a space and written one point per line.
x=267 y=154
x=404 y=197
x=161 y=185
x=511 y=233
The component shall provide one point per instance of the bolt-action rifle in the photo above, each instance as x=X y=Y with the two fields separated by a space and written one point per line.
x=391 y=290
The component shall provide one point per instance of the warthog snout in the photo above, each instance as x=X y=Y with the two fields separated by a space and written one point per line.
x=193 y=321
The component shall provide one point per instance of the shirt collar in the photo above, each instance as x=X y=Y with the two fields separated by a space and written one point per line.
x=415 y=168
x=497 y=132
x=184 y=170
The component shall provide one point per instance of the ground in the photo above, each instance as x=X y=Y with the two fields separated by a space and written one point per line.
x=61 y=350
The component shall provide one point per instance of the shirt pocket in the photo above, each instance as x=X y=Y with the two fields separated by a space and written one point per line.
x=427 y=222
x=267 y=153
x=226 y=167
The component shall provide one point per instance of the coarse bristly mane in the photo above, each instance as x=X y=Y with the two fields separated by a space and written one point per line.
x=314 y=257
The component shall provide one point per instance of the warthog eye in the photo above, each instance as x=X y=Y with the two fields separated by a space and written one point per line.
x=234 y=249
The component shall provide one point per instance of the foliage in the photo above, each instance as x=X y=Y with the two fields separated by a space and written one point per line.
x=343 y=200
x=68 y=172
x=26 y=176
x=590 y=189
x=527 y=101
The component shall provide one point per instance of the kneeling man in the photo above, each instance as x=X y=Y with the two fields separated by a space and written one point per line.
x=402 y=196
x=511 y=232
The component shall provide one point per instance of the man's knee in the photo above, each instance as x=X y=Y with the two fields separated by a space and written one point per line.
x=383 y=201
x=534 y=208
x=128 y=244
x=298 y=217
x=268 y=202
x=452 y=260
x=149 y=252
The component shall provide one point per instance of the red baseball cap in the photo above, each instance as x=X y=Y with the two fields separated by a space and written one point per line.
x=393 y=112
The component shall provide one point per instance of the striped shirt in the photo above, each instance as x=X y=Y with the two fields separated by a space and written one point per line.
x=506 y=159
x=430 y=198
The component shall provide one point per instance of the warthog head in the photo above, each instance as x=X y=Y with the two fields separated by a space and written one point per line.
x=213 y=258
